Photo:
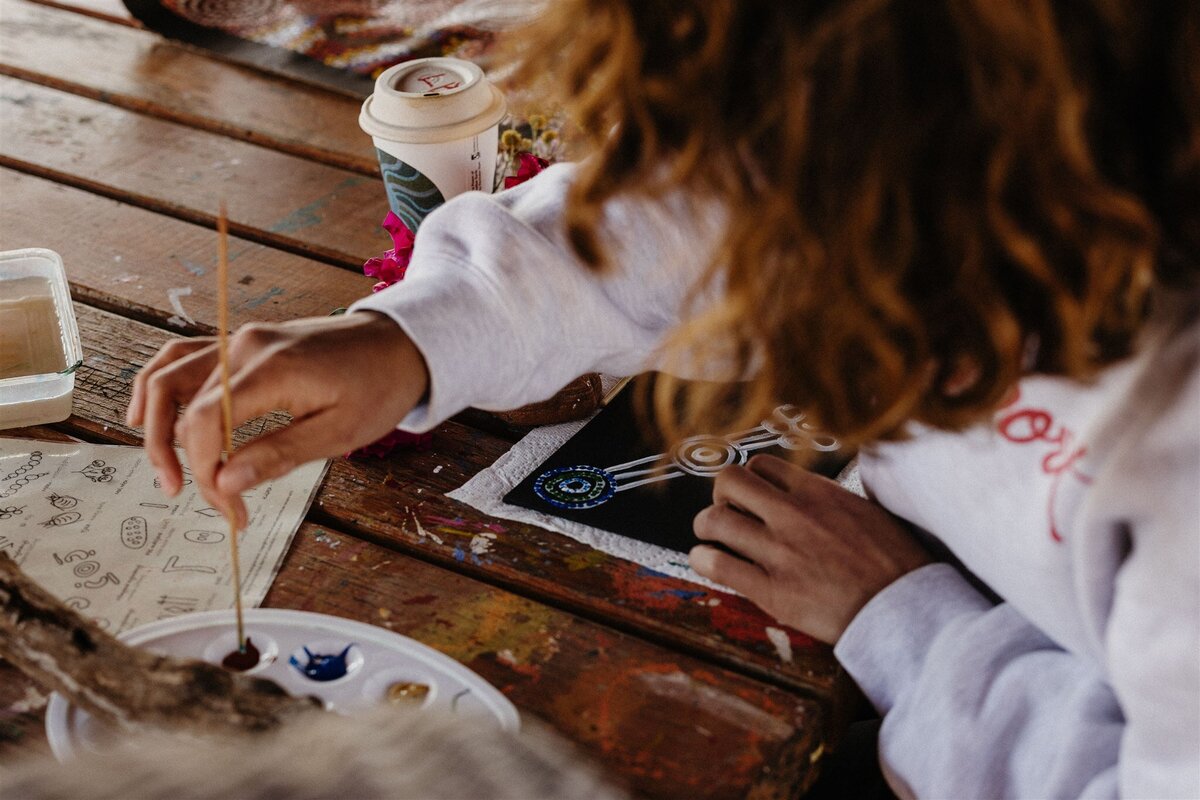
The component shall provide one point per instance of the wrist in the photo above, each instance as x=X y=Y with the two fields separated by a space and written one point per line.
x=905 y=564
x=400 y=356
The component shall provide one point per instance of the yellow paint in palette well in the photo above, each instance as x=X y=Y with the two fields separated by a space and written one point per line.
x=30 y=330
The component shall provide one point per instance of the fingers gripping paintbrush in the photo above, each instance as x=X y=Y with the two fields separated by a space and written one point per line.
x=227 y=401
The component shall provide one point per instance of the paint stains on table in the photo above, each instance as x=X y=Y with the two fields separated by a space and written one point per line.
x=492 y=625
x=325 y=539
x=255 y=302
x=180 y=318
x=783 y=643
x=586 y=559
x=312 y=214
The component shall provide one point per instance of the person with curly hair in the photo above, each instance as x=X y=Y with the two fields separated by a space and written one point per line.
x=963 y=235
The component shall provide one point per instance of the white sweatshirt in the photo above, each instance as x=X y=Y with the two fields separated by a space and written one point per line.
x=1079 y=508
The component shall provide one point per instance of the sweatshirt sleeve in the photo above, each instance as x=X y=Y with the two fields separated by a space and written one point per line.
x=978 y=702
x=503 y=312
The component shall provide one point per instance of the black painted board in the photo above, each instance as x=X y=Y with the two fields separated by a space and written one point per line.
x=612 y=476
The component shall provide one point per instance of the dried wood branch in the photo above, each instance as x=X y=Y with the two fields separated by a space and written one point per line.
x=60 y=650
x=577 y=400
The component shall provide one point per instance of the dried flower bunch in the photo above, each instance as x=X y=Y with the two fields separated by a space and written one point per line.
x=526 y=150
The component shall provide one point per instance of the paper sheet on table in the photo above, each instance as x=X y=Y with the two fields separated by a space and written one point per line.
x=89 y=524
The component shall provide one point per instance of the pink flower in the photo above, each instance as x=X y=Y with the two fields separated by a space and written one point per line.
x=401 y=439
x=391 y=266
x=530 y=165
x=402 y=237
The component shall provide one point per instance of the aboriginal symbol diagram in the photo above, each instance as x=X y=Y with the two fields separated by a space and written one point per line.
x=97 y=472
x=62 y=502
x=23 y=475
x=585 y=486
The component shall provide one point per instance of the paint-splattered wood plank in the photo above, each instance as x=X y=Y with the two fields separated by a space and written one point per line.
x=384 y=500
x=401 y=502
x=289 y=202
x=159 y=269
x=139 y=70
x=668 y=724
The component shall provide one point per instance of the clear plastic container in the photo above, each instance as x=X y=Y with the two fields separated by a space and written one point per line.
x=39 y=339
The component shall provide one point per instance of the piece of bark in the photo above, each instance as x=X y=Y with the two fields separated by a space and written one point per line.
x=60 y=650
x=578 y=399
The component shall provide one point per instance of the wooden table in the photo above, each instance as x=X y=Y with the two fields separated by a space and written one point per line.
x=115 y=147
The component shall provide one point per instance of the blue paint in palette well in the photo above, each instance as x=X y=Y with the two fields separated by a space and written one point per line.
x=322 y=666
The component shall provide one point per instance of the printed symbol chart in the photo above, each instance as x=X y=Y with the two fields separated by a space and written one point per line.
x=89 y=523
x=610 y=477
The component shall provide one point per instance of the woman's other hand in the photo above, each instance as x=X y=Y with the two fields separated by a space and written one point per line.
x=345 y=380
x=811 y=553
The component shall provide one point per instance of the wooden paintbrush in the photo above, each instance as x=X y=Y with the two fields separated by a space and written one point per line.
x=227 y=400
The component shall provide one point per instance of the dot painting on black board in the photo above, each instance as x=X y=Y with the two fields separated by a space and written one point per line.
x=610 y=477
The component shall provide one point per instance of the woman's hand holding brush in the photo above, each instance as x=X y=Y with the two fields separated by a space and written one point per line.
x=345 y=380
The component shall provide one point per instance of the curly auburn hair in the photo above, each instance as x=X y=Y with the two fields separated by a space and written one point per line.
x=926 y=200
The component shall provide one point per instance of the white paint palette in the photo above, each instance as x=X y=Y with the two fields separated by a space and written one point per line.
x=367 y=661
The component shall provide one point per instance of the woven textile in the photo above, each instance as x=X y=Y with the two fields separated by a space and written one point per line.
x=364 y=36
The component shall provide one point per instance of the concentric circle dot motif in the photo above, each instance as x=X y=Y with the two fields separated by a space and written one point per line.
x=707 y=455
x=575 y=487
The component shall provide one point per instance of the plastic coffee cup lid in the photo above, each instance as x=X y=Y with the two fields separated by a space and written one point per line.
x=431 y=100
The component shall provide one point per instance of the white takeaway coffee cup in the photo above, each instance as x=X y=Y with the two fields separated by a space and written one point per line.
x=435 y=123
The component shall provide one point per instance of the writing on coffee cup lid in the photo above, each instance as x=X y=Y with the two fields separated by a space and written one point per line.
x=431 y=100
